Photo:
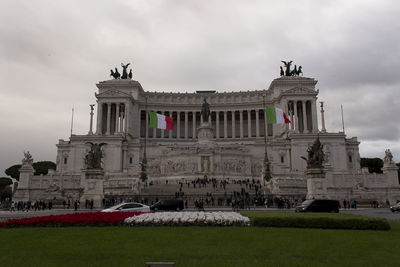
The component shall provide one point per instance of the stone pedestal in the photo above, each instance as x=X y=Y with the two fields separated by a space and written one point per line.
x=206 y=145
x=316 y=183
x=25 y=175
x=205 y=133
x=390 y=170
x=92 y=185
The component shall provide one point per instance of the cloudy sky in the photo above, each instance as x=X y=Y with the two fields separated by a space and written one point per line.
x=54 y=52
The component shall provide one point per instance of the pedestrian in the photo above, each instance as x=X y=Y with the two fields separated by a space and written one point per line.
x=12 y=208
x=76 y=205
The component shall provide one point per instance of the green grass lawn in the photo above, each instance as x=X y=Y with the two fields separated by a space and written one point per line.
x=198 y=246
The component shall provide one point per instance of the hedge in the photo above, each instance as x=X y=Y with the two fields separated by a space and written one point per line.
x=324 y=222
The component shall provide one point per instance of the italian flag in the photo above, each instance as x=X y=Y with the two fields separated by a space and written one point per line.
x=276 y=115
x=160 y=121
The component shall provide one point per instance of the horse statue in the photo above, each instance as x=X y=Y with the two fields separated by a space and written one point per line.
x=115 y=74
x=282 y=72
x=299 y=71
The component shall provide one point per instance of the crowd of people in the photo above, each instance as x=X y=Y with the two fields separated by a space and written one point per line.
x=28 y=205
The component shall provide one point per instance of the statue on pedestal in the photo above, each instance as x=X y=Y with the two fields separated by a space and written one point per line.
x=316 y=155
x=27 y=160
x=125 y=75
x=93 y=157
x=205 y=111
x=288 y=72
x=388 y=156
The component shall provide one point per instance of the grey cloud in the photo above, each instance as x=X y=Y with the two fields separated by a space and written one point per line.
x=53 y=53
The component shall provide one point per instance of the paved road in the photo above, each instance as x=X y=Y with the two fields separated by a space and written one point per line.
x=381 y=212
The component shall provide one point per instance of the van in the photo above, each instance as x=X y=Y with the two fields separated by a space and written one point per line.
x=168 y=204
x=318 y=205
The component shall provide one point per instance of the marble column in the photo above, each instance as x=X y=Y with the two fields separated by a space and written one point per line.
x=155 y=131
x=108 y=118
x=296 y=117
x=99 y=118
x=291 y=115
x=249 y=123
x=241 y=123
x=122 y=122
x=186 y=124
x=217 y=124
x=126 y=118
x=194 y=124
x=314 y=120
x=225 y=124
x=178 y=128
x=305 y=130
x=170 y=131
x=162 y=131
x=257 y=123
x=117 y=118
x=233 y=125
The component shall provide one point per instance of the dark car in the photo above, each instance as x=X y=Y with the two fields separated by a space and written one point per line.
x=319 y=205
x=168 y=204
x=395 y=207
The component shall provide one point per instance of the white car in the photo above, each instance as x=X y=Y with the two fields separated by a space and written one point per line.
x=395 y=207
x=130 y=206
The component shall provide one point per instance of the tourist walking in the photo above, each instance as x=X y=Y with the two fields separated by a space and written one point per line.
x=12 y=207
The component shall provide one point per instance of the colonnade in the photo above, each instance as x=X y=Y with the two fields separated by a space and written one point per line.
x=303 y=115
x=227 y=124
x=112 y=118
x=241 y=123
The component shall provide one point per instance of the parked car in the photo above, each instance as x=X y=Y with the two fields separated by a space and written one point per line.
x=128 y=206
x=318 y=205
x=168 y=204
x=395 y=207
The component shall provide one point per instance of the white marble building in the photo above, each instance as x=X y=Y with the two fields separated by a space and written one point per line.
x=232 y=149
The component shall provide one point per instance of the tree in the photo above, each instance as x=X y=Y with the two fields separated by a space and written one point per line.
x=13 y=171
x=373 y=164
x=398 y=171
x=41 y=167
x=5 y=189
x=5 y=181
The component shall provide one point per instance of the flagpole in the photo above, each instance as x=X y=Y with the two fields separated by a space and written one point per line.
x=267 y=170
x=143 y=173
x=145 y=127
x=341 y=107
x=72 y=120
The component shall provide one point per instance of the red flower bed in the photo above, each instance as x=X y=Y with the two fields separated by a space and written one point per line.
x=73 y=219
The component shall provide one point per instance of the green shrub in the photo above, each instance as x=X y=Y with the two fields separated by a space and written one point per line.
x=324 y=222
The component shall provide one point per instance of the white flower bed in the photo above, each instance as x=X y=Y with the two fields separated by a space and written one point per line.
x=189 y=218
